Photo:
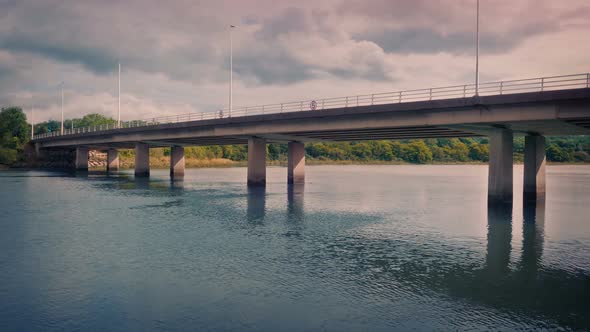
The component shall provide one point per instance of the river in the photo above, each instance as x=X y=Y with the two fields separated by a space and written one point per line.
x=373 y=248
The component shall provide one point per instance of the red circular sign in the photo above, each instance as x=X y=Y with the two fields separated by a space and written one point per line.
x=313 y=105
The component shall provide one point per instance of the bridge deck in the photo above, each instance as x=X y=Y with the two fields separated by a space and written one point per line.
x=559 y=112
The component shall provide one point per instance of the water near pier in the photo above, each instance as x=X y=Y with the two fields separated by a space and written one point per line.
x=359 y=248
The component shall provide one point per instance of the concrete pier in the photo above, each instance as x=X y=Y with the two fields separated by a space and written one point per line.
x=81 y=162
x=142 y=160
x=296 y=163
x=112 y=160
x=534 y=168
x=177 y=162
x=500 y=167
x=256 y=161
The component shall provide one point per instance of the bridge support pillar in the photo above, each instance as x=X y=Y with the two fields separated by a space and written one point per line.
x=177 y=162
x=534 y=168
x=500 y=168
x=112 y=160
x=142 y=160
x=256 y=161
x=296 y=163
x=81 y=163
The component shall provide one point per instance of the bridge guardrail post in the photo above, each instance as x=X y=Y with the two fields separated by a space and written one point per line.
x=400 y=97
x=501 y=86
x=465 y=91
x=588 y=80
x=430 y=94
x=372 y=98
x=357 y=101
x=542 y=83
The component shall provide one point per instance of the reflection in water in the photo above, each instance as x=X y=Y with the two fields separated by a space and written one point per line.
x=80 y=173
x=499 y=238
x=256 y=204
x=295 y=210
x=177 y=184
x=532 y=236
x=527 y=288
x=327 y=256
x=141 y=183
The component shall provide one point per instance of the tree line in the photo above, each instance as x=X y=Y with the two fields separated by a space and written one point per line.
x=15 y=132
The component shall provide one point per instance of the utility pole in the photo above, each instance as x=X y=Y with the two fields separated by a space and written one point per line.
x=62 y=108
x=32 y=122
x=231 y=68
x=119 y=109
x=477 y=52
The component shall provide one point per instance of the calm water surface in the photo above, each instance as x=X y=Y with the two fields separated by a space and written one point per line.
x=358 y=248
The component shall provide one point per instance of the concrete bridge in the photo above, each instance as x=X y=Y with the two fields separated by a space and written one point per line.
x=533 y=108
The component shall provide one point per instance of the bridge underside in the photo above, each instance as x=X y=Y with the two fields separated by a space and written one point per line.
x=534 y=115
x=579 y=126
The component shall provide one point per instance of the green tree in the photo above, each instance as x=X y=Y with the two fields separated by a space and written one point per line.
x=417 y=152
x=14 y=130
x=94 y=119
x=479 y=152
x=555 y=153
x=14 y=133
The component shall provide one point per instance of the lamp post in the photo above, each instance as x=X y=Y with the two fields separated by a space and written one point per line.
x=119 y=107
x=477 y=51
x=231 y=69
x=62 y=108
x=32 y=122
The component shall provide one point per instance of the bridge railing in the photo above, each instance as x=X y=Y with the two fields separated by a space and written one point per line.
x=540 y=84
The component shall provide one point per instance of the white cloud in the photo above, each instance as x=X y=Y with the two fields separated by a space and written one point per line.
x=175 y=56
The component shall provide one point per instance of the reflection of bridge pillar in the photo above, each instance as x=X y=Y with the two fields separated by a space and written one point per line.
x=256 y=204
x=534 y=168
x=295 y=210
x=500 y=168
x=499 y=239
x=256 y=161
x=142 y=160
x=112 y=160
x=177 y=162
x=296 y=163
x=532 y=235
x=81 y=158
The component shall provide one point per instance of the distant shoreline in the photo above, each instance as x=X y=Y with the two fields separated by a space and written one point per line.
x=162 y=163
x=225 y=163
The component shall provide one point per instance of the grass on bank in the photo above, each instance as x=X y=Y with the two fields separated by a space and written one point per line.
x=163 y=162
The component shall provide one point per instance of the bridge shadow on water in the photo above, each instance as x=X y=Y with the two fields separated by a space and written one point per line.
x=525 y=288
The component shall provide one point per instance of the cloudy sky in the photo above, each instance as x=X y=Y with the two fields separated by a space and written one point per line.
x=175 y=53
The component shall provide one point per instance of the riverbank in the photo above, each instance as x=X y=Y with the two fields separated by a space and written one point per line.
x=127 y=162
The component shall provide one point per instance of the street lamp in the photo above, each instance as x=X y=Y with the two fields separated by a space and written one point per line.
x=231 y=69
x=32 y=122
x=62 y=108
x=119 y=108
x=477 y=52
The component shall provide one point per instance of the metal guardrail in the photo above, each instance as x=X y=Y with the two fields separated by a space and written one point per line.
x=449 y=92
